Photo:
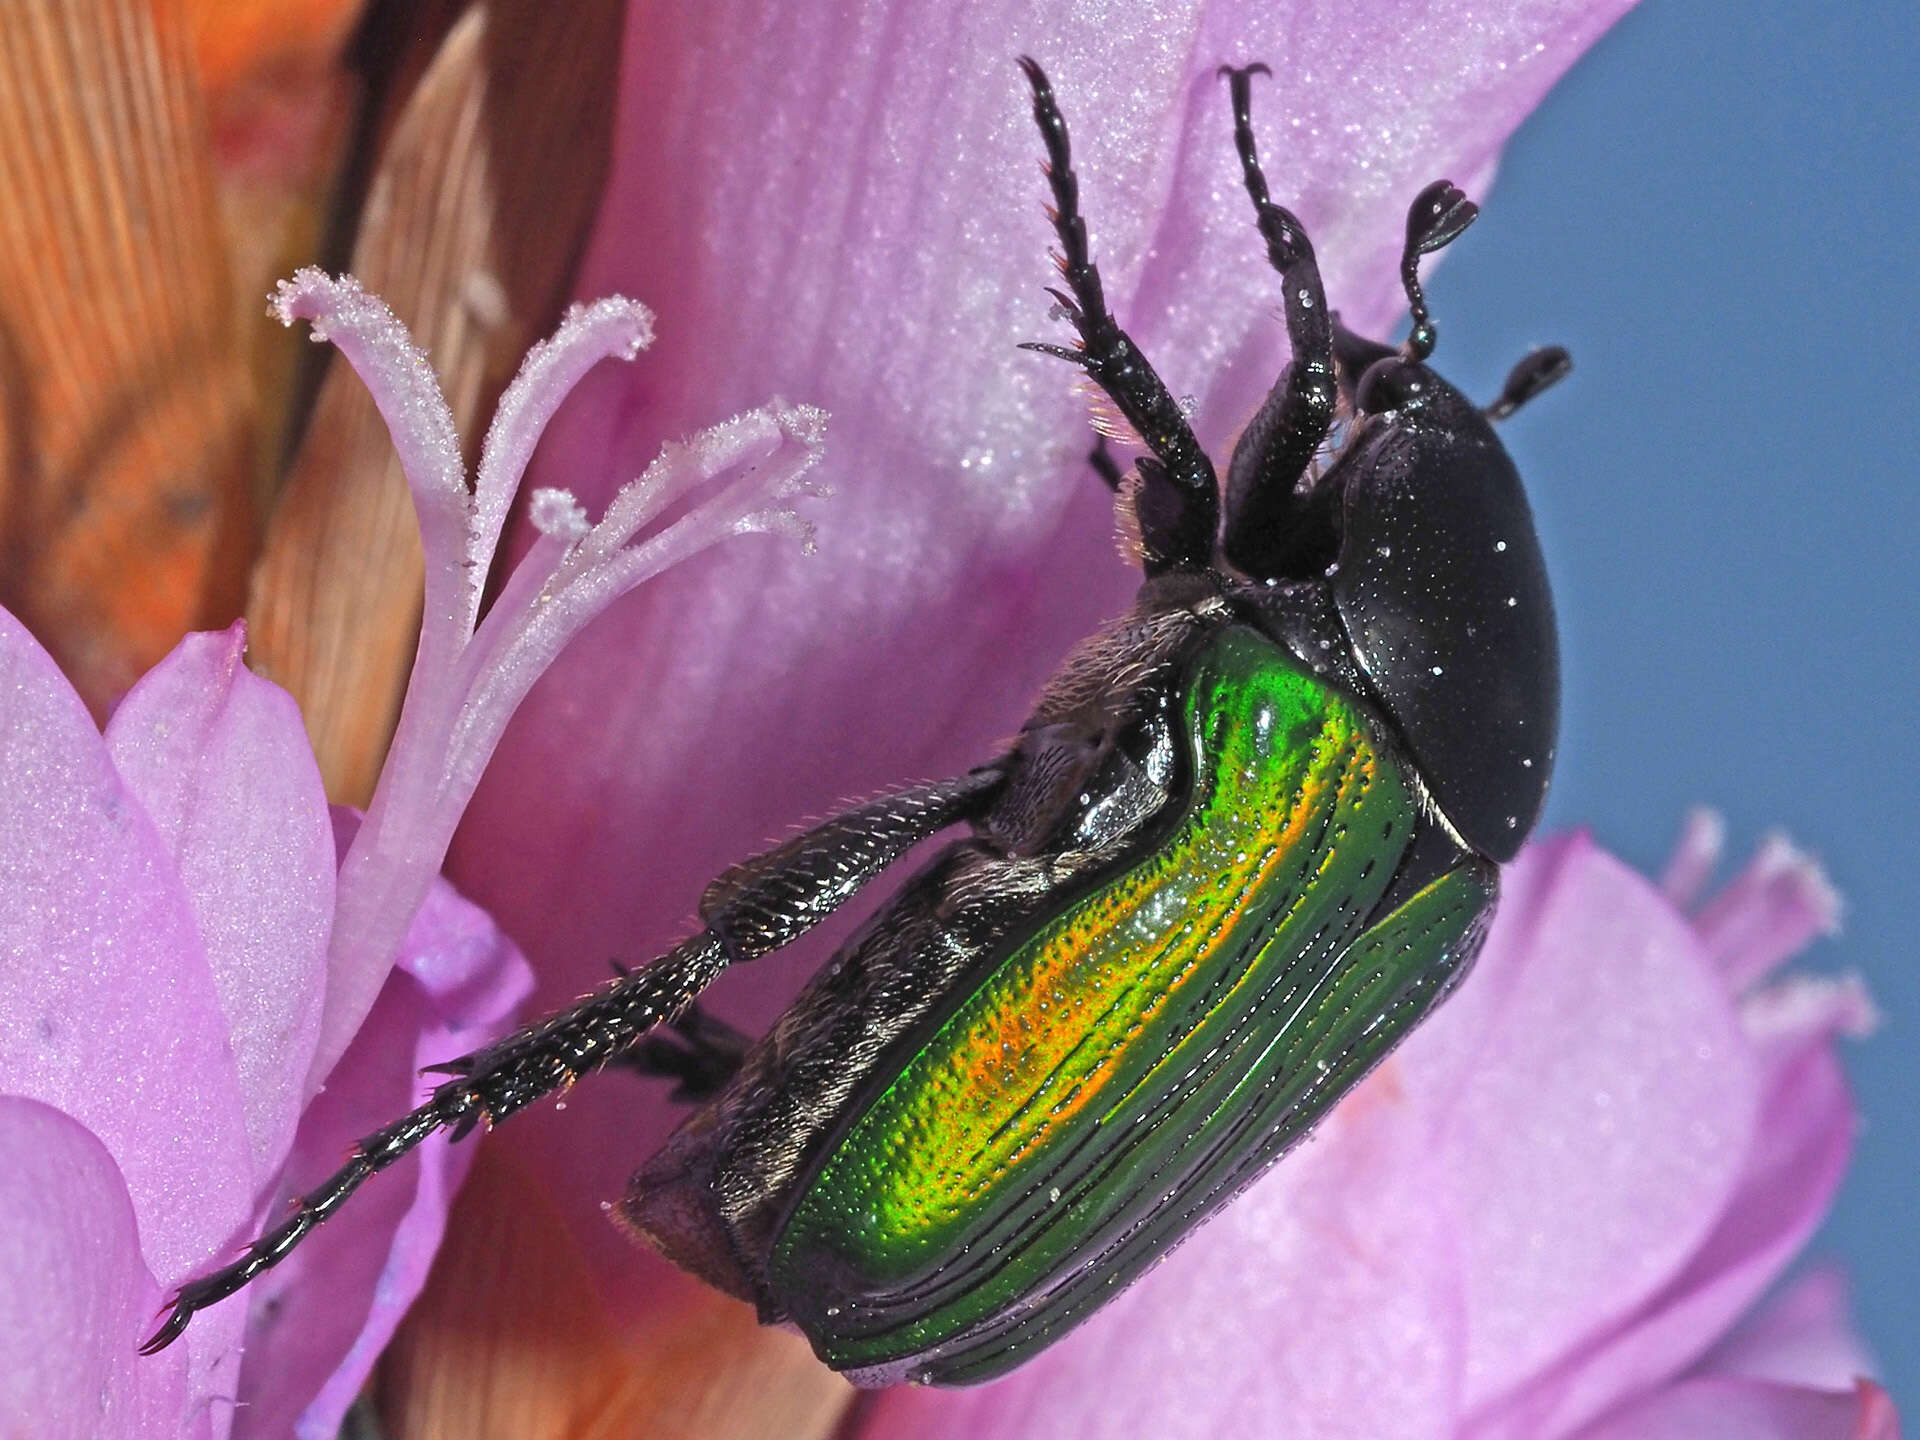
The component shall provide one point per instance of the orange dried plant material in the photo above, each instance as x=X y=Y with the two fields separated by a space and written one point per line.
x=509 y=1341
x=481 y=195
x=235 y=41
x=125 y=509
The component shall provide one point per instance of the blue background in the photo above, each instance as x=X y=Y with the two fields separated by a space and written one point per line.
x=1719 y=220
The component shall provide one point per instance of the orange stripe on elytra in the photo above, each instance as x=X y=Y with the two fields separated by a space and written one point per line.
x=1020 y=1049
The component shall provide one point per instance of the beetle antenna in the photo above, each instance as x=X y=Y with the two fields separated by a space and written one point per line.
x=1437 y=216
x=1536 y=371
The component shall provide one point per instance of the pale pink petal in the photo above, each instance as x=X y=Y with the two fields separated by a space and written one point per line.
x=843 y=206
x=1731 y=1409
x=1801 y=1147
x=1703 y=840
x=320 y=1320
x=1774 y=908
x=75 y=1295
x=1322 y=1304
x=1803 y=1336
x=1785 y=1013
x=108 y=1010
x=220 y=761
x=1593 y=1157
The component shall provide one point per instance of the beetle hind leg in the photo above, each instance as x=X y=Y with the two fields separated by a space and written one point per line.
x=750 y=910
x=487 y=1087
x=1179 y=498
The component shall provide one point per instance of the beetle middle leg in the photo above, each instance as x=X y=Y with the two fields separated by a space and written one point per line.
x=750 y=910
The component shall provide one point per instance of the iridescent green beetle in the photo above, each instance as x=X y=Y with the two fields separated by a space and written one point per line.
x=1248 y=838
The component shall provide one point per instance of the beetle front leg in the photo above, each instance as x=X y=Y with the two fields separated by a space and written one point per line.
x=1268 y=526
x=1180 y=502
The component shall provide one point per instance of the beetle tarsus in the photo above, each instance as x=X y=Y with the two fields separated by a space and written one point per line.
x=496 y=1082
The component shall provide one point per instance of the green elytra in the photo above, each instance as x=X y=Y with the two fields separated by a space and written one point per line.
x=1134 y=1060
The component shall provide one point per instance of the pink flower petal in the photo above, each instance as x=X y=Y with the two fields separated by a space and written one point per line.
x=1590 y=1161
x=1730 y=1409
x=1803 y=1336
x=1774 y=908
x=219 y=759
x=842 y=206
x=1323 y=1303
x=1801 y=1147
x=75 y=1295
x=108 y=1010
x=1703 y=840
x=320 y=1320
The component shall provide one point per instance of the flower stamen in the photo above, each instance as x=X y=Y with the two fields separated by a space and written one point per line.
x=470 y=674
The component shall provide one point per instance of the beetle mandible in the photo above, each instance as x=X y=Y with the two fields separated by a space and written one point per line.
x=1249 y=837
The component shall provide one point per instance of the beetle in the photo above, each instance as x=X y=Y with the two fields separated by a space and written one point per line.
x=1248 y=838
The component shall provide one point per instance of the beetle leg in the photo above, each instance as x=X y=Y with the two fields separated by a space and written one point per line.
x=1114 y=363
x=697 y=1049
x=1535 y=372
x=754 y=908
x=489 y=1086
x=1267 y=524
x=1104 y=465
x=764 y=903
